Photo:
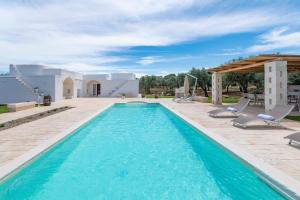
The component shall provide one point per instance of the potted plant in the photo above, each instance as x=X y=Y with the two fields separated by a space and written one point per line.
x=123 y=95
x=47 y=100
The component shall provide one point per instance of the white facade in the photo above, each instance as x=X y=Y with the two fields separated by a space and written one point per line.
x=27 y=82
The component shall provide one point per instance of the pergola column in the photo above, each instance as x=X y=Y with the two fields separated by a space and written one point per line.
x=275 y=84
x=216 y=88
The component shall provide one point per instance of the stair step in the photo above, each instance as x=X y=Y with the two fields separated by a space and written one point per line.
x=24 y=84
x=117 y=88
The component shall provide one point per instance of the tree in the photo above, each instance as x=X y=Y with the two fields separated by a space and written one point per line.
x=294 y=78
x=180 y=79
x=228 y=79
x=259 y=81
x=242 y=79
x=204 y=79
x=147 y=82
x=171 y=81
x=159 y=81
x=142 y=85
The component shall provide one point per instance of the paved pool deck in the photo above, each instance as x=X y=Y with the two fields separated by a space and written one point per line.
x=264 y=143
x=17 y=141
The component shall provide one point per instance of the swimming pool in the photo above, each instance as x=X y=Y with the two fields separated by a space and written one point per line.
x=136 y=151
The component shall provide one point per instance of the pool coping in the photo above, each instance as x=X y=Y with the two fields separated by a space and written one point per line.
x=12 y=166
x=277 y=179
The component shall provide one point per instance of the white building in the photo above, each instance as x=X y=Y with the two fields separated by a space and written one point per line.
x=27 y=82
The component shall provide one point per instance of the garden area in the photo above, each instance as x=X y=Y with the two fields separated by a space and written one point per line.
x=227 y=99
x=3 y=108
x=294 y=118
x=234 y=84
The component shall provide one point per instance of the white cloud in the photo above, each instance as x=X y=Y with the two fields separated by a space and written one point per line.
x=149 y=60
x=277 y=39
x=81 y=67
x=82 y=32
x=229 y=52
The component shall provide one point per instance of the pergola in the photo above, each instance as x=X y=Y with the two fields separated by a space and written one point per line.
x=275 y=68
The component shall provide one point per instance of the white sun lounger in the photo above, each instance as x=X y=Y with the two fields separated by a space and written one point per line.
x=235 y=109
x=293 y=137
x=272 y=118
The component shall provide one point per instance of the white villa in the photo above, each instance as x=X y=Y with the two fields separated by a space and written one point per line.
x=27 y=82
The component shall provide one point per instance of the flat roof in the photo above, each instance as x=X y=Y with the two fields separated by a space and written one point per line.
x=256 y=63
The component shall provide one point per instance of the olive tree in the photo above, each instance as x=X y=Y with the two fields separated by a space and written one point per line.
x=204 y=79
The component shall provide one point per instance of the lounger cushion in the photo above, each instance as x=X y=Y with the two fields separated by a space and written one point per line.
x=231 y=109
x=265 y=117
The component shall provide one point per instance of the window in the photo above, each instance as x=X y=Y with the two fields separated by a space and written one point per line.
x=280 y=84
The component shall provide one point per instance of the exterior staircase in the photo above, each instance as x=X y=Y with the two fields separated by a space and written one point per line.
x=19 y=77
x=26 y=85
x=116 y=89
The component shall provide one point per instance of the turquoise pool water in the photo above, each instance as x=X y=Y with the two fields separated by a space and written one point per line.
x=136 y=151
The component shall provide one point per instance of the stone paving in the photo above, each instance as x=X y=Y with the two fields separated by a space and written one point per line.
x=267 y=144
x=17 y=141
x=15 y=115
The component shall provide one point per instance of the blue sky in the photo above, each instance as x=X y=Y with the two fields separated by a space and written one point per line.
x=144 y=36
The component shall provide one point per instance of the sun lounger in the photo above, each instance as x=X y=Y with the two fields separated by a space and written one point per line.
x=271 y=118
x=293 y=137
x=235 y=109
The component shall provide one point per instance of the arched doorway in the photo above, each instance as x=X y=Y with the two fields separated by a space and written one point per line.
x=68 y=88
x=93 y=88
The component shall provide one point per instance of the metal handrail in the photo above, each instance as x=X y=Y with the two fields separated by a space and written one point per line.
x=119 y=87
x=19 y=76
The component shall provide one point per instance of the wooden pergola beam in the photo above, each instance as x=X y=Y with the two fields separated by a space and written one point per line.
x=256 y=64
x=247 y=67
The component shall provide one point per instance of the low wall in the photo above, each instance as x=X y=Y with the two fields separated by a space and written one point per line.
x=14 y=107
